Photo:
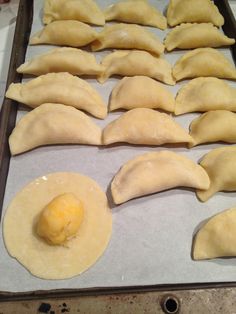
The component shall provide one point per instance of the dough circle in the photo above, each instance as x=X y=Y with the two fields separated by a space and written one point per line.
x=57 y=262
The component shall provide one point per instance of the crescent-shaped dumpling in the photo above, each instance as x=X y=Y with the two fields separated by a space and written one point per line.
x=53 y=124
x=203 y=62
x=205 y=94
x=189 y=36
x=141 y=92
x=61 y=88
x=127 y=36
x=138 y=12
x=200 y=11
x=216 y=238
x=65 y=33
x=213 y=126
x=86 y=11
x=145 y=126
x=155 y=172
x=220 y=166
x=134 y=62
x=66 y=59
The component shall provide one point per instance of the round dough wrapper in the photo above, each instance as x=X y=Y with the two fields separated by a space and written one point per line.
x=57 y=262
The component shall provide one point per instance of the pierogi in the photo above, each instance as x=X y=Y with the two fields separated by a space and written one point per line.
x=53 y=124
x=204 y=62
x=200 y=11
x=127 y=36
x=141 y=92
x=189 y=36
x=219 y=163
x=213 y=126
x=137 y=12
x=216 y=238
x=135 y=62
x=56 y=33
x=146 y=127
x=86 y=11
x=59 y=88
x=205 y=94
x=72 y=60
x=155 y=172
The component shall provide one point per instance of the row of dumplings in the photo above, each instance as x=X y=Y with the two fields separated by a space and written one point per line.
x=87 y=11
x=133 y=11
x=201 y=62
x=198 y=94
x=216 y=237
x=59 y=124
x=159 y=171
x=130 y=36
x=143 y=175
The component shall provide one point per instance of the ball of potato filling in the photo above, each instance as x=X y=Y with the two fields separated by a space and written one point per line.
x=60 y=219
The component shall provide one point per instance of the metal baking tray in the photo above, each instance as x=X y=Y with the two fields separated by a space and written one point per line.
x=7 y=123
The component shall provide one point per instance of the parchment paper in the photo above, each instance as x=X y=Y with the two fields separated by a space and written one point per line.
x=152 y=235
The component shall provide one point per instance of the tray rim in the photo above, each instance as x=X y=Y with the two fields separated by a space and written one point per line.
x=7 y=123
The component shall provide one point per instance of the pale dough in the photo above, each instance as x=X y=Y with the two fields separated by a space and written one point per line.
x=194 y=35
x=62 y=88
x=155 y=172
x=199 y=11
x=57 y=262
x=53 y=124
x=217 y=237
x=219 y=163
x=86 y=11
x=64 y=59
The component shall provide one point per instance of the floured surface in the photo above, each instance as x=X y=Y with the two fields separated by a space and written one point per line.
x=152 y=236
x=57 y=262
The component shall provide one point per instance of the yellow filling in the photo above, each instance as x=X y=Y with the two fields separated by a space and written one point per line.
x=60 y=219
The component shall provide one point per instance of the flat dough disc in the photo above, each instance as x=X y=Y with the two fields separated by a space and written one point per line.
x=57 y=262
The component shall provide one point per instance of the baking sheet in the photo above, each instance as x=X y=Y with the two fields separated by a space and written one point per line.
x=152 y=235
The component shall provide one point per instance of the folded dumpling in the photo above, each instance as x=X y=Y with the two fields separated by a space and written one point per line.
x=220 y=166
x=65 y=33
x=214 y=126
x=146 y=127
x=217 y=237
x=53 y=124
x=141 y=92
x=188 y=36
x=138 y=12
x=155 y=172
x=205 y=94
x=203 y=62
x=66 y=59
x=61 y=88
x=127 y=36
x=86 y=11
x=134 y=62
x=200 y=11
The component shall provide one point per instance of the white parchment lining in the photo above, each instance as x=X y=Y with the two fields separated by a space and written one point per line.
x=152 y=235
